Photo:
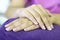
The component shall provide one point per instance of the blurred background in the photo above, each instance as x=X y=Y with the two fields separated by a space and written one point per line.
x=4 y=4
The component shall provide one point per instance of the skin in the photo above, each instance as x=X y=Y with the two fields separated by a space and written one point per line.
x=31 y=27
x=38 y=13
x=22 y=23
x=56 y=19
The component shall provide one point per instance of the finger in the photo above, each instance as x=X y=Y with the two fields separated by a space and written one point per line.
x=36 y=15
x=31 y=28
x=21 y=27
x=49 y=19
x=43 y=17
x=21 y=20
x=16 y=23
x=47 y=14
x=50 y=22
x=9 y=24
x=44 y=10
x=29 y=16
x=10 y=28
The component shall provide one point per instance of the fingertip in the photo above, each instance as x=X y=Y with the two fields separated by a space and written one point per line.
x=43 y=27
x=15 y=30
x=26 y=30
x=6 y=25
x=49 y=28
x=7 y=29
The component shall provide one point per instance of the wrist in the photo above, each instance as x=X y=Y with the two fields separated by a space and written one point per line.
x=53 y=18
x=56 y=19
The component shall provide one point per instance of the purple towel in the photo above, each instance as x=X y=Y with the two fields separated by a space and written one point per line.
x=37 y=34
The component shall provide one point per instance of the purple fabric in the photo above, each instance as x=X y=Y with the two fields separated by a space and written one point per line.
x=37 y=34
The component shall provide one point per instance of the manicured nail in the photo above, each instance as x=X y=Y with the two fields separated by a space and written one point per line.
x=7 y=29
x=6 y=25
x=49 y=28
x=25 y=30
x=14 y=29
x=43 y=27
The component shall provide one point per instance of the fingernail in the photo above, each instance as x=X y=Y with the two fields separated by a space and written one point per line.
x=14 y=29
x=43 y=27
x=26 y=30
x=7 y=29
x=6 y=25
x=49 y=28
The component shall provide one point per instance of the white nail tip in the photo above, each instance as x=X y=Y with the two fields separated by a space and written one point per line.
x=6 y=25
x=14 y=29
x=7 y=29
x=49 y=29
x=25 y=30
x=43 y=27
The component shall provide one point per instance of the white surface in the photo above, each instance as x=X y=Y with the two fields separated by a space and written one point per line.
x=4 y=5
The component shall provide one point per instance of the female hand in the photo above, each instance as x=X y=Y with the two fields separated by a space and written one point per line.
x=21 y=24
x=38 y=15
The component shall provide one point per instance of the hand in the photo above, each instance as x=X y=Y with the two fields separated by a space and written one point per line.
x=20 y=24
x=38 y=15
